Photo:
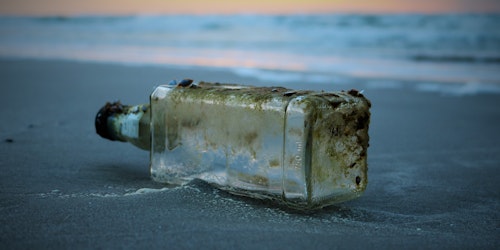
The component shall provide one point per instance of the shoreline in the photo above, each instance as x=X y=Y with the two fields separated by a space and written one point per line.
x=433 y=166
x=295 y=79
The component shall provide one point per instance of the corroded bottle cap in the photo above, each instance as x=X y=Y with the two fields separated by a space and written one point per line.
x=101 y=119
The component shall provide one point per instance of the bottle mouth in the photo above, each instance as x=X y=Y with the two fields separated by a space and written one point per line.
x=101 y=119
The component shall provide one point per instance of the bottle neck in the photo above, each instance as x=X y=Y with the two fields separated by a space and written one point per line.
x=125 y=123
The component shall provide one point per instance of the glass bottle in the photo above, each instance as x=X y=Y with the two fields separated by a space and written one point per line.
x=305 y=149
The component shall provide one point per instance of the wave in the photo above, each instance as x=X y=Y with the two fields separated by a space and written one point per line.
x=82 y=19
x=311 y=48
x=456 y=59
x=406 y=21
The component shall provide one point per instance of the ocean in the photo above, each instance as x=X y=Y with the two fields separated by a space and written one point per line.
x=454 y=53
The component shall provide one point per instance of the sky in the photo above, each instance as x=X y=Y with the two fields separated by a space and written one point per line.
x=127 y=7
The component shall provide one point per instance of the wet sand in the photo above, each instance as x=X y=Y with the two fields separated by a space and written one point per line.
x=433 y=172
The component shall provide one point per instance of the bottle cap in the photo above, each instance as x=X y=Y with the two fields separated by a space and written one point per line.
x=101 y=119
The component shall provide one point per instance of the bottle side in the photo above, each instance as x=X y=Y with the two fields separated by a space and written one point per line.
x=228 y=135
x=303 y=148
x=326 y=142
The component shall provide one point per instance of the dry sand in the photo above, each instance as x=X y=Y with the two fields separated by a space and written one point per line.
x=434 y=163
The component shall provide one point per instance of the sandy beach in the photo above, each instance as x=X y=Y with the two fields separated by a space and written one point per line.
x=433 y=171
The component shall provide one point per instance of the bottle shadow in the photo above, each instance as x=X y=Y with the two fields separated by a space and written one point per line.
x=121 y=175
x=339 y=211
x=129 y=176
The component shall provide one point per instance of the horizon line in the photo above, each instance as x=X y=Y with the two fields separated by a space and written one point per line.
x=98 y=13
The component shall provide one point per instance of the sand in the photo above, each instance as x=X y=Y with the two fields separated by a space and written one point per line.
x=433 y=172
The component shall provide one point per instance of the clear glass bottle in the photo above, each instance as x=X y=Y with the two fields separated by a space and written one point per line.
x=305 y=149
